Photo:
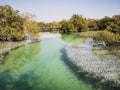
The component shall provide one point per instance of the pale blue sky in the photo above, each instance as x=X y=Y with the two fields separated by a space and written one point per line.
x=56 y=10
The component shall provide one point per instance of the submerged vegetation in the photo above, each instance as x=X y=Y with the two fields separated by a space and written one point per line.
x=105 y=71
x=74 y=45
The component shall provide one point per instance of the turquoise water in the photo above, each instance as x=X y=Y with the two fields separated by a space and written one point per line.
x=41 y=66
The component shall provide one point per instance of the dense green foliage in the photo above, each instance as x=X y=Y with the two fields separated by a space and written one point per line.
x=31 y=27
x=106 y=29
x=107 y=36
x=92 y=25
x=11 y=24
x=14 y=26
x=67 y=26
x=110 y=29
x=77 y=23
x=109 y=24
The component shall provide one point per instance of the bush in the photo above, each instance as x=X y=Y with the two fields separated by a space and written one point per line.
x=11 y=24
x=107 y=36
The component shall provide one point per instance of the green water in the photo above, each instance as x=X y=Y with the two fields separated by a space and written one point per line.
x=41 y=66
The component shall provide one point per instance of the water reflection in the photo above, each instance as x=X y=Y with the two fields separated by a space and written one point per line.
x=74 y=39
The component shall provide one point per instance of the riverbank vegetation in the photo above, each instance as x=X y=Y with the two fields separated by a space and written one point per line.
x=31 y=27
x=75 y=24
x=14 y=26
x=106 y=29
x=11 y=24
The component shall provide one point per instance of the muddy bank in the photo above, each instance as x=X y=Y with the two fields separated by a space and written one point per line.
x=93 y=66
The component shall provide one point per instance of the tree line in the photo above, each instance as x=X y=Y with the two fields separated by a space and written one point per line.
x=105 y=29
x=78 y=23
x=15 y=26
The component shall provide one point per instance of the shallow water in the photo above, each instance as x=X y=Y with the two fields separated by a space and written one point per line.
x=41 y=66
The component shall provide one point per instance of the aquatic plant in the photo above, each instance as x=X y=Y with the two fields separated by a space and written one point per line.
x=93 y=66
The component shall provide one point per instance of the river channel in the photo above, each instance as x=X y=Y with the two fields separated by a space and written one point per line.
x=42 y=66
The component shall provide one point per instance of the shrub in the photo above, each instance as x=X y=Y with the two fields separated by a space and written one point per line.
x=107 y=36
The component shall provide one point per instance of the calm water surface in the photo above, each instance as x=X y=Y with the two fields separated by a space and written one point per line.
x=41 y=66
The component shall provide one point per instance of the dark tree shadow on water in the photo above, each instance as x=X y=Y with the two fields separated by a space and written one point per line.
x=86 y=77
x=24 y=82
x=5 y=79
